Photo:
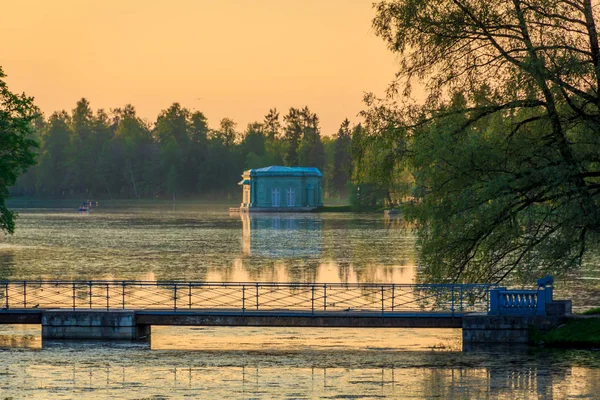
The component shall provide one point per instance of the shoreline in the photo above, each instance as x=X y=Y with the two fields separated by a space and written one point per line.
x=579 y=332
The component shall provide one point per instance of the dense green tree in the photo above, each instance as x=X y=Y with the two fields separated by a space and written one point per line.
x=82 y=154
x=293 y=130
x=342 y=158
x=26 y=184
x=311 y=152
x=196 y=153
x=253 y=146
x=102 y=134
x=108 y=168
x=505 y=150
x=329 y=144
x=172 y=130
x=198 y=128
x=275 y=150
x=87 y=154
x=272 y=126
x=172 y=125
x=226 y=132
x=172 y=181
x=254 y=139
x=17 y=115
x=53 y=178
x=134 y=138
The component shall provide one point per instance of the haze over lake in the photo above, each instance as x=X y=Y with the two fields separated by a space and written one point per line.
x=205 y=242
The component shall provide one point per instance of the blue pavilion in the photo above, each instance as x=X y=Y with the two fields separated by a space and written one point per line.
x=277 y=188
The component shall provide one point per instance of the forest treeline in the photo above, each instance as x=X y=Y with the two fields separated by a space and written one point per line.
x=117 y=154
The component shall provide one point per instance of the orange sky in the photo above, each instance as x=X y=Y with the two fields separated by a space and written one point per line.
x=226 y=58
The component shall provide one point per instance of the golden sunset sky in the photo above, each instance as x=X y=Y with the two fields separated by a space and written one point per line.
x=226 y=58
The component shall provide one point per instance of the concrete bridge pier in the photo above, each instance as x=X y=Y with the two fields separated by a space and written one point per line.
x=484 y=328
x=92 y=325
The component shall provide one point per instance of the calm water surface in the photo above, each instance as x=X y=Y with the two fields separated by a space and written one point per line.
x=206 y=243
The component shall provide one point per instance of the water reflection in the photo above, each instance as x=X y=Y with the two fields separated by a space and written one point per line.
x=203 y=243
x=282 y=235
x=118 y=371
x=20 y=337
x=291 y=363
x=148 y=244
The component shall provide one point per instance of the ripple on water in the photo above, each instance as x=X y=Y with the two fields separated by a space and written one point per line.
x=200 y=244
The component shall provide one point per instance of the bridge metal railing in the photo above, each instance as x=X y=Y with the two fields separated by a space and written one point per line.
x=246 y=296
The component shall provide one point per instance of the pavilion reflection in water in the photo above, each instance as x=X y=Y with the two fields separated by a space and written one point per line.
x=282 y=235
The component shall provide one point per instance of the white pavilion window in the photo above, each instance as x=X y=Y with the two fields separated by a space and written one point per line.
x=291 y=196
x=275 y=197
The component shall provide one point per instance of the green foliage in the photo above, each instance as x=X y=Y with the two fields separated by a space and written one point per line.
x=342 y=162
x=172 y=181
x=592 y=311
x=17 y=115
x=272 y=126
x=583 y=333
x=54 y=156
x=227 y=133
x=367 y=196
x=122 y=156
x=505 y=149
x=292 y=134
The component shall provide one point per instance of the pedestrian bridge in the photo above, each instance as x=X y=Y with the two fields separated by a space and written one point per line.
x=127 y=309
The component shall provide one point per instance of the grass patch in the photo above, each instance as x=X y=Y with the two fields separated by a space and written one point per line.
x=575 y=333
x=592 y=311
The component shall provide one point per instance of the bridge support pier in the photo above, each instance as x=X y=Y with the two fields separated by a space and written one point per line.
x=92 y=325
x=484 y=328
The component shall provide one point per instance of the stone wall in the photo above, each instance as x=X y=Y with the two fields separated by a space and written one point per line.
x=483 y=328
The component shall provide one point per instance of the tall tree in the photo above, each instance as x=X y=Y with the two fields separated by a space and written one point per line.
x=172 y=124
x=342 y=158
x=82 y=154
x=271 y=123
x=505 y=150
x=227 y=133
x=311 y=150
x=196 y=152
x=17 y=114
x=134 y=137
x=293 y=130
x=53 y=177
x=252 y=146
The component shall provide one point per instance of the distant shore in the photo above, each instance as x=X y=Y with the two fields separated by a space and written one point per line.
x=333 y=206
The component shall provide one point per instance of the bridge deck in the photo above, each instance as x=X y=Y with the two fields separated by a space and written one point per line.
x=282 y=318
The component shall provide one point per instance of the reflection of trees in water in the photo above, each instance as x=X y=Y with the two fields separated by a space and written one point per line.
x=543 y=377
x=6 y=264
x=135 y=246
x=291 y=240
x=418 y=375
x=20 y=341
x=361 y=246
x=367 y=241
x=303 y=271
x=186 y=271
x=282 y=236
x=259 y=270
x=344 y=271
x=129 y=266
x=369 y=248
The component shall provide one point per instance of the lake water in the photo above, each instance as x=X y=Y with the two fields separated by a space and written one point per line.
x=207 y=243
